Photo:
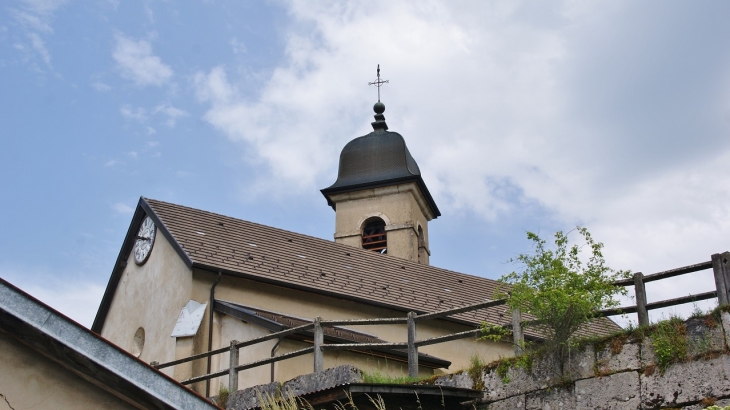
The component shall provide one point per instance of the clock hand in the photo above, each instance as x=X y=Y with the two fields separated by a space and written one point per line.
x=142 y=237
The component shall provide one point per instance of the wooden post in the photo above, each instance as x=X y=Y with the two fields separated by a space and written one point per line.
x=412 y=348
x=318 y=342
x=722 y=277
x=232 y=372
x=518 y=337
x=640 y=293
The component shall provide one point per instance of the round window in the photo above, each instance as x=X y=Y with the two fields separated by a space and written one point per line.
x=138 y=342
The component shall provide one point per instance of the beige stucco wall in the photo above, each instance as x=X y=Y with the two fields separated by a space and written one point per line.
x=150 y=296
x=403 y=209
x=29 y=380
x=305 y=305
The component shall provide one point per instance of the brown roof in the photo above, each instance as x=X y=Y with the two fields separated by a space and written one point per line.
x=216 y=242
x=333 y=334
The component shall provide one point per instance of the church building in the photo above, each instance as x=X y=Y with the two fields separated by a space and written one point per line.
x=188 y=281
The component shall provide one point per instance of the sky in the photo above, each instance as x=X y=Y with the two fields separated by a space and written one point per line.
x=522 y=115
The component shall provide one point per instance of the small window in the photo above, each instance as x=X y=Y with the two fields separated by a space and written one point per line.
x=374 y=237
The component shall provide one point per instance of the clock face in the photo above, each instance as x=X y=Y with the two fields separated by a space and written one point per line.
x=145 y=240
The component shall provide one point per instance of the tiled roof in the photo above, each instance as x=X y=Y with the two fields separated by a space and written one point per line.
x=332 y=334
x=289 y=259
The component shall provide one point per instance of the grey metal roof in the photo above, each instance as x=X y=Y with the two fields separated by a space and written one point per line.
x=377 y=159
x=89 y=355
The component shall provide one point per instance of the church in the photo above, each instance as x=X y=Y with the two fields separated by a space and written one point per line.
x=188 y=281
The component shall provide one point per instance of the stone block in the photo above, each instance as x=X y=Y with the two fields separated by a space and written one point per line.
x=617 y=391
x=612 y=360
x=249 y=398
x=581 y=363
x=647 y=354
x=326 y=379
x=551 y=399
x=686 y=383
x=543 y=373
x=461 y=380
x=703 y=337
x=725 y=321
x=510 y=403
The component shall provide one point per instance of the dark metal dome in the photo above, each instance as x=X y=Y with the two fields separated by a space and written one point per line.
x=378 y=159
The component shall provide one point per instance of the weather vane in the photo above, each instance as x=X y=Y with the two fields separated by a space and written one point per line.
x=378 y=82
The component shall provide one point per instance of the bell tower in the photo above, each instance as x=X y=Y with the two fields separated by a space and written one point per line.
x=380 y=200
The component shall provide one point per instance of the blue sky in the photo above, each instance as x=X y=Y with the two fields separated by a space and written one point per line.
x=522 y=116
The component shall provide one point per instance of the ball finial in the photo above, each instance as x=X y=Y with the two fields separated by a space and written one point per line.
x=379 y=107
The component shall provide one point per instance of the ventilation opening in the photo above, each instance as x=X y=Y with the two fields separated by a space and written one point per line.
x=138 y=342
x=374 y=237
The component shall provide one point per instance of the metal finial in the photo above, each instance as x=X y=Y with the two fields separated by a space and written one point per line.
x=378 y=82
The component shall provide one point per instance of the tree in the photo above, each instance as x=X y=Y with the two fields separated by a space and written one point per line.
x=560 y=289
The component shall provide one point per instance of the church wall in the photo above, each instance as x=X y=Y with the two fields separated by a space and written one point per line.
x=29 y=380
x=305 y=305
x=164 y=279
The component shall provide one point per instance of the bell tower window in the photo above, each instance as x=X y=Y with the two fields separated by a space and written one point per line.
x=374 y=237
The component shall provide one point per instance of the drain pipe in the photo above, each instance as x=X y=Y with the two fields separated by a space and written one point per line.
x=210 y=329
x=273 y=350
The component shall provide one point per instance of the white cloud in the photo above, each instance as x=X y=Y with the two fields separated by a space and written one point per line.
x=506 y=104
x=153 y=144
x=184 y=174
x=132 y=154
x=136 y=62
x=111 y=163
x=122 y=208
x=172 y=113
x=34 y=19
x=138 y=113
x=99 y=86
x=141 y=114
x=40 y=47
x=238 y=46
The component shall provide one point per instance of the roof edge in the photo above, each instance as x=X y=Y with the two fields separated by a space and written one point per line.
x=365 y=301
x=230 y=309
x=88 y=355
x=143 y=208
x=326 y=192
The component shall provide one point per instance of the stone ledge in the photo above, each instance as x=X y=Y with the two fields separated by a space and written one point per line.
x=309 y=383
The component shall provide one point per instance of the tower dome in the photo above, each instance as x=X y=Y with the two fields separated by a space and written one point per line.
x=378 y=159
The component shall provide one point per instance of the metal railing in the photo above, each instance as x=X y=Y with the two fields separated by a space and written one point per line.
x=719 y=263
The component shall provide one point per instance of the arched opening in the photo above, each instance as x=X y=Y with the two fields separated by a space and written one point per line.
x=373 y=235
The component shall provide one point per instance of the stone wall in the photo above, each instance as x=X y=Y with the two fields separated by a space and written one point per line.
x=622 y=373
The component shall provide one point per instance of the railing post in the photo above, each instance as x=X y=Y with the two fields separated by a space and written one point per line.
x=232 y=372
x=722 y=277
x=640 y=293
x=518 y=337
x=412 y=348
x=318 y=342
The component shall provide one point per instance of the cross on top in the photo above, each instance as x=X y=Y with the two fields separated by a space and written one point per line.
x=378 y=82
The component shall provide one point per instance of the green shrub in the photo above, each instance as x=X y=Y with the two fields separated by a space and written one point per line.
x=560 y=290
x=669 y=339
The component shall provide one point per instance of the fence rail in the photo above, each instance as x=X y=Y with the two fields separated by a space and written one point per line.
x=719 y=263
